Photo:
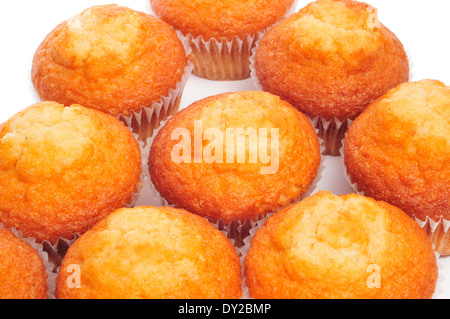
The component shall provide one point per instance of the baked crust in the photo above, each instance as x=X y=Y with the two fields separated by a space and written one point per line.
x=22 y=271
x=237 y=190
x=331 y=59
x=398 y=150
x=217 y=19
x=331 y=247
x=153 y=253
x=109 y=58
x=62 y=169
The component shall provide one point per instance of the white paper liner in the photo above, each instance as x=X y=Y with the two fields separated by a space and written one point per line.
x=353 y=186
x=332 y=133
x=237 y=230
x=221 y=59
x=49 y=267
x=243 y=251
x=144 y=121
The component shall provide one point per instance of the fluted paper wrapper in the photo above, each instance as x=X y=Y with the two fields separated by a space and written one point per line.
x=222 y=59
x=147 y=119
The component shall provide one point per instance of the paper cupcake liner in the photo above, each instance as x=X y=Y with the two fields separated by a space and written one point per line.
x=221 y=59
x=236 y=230
x=148 y=118
x=332 y=133
x=437 y=231
x=49 y=267
x=243 y=251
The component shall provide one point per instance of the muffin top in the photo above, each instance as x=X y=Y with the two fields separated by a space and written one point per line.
x=333 y=247
x=109 y=58
x=235 y=156
x=21 y=269
x=218 y=19
x=64 y=168
x=398 y=150
x=151 y=253
x=331 y=59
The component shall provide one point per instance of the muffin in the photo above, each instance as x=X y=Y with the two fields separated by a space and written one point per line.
x=341 y=247
x=398 y=151
x=151 y=253
x=331 y=60
x=235 y=157
x=126 y=63
x=62 y=169
x=221 y=34
x=21 y=269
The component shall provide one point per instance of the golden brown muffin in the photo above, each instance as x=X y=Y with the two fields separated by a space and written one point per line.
x=217 y=19
x=221 y=33
x=398 y=151
x=341 y=247
x=226 y=176
x=109 y=58
x=62 y=169
x=22 y=271
x=331 y=59
x=151 y=253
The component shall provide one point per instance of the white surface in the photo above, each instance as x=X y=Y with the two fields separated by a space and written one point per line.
x=423 y=26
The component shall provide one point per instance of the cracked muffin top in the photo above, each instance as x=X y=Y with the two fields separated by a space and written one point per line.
x=341 y=247
x=331 y=59
x=151 y=253
x=109 y=58
x=64 y=168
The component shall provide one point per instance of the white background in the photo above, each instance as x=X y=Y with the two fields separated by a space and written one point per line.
x=422 y=26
